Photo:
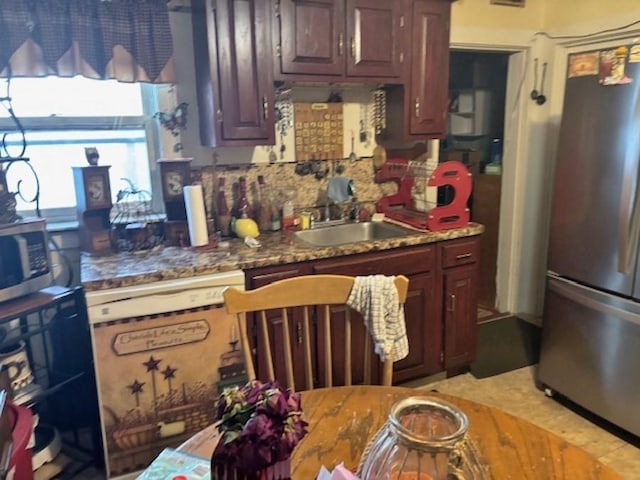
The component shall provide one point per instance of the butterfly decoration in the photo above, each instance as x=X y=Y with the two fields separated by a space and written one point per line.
x=174 y=121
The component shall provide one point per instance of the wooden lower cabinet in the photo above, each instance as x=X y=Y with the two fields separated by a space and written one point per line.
x=259 y=278
x=440 y=310
x=421 y=308
x=459 y=270
x=423 y=329
x=338 y=352
x=460 y=312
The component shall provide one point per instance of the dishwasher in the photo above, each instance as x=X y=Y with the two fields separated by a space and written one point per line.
x=162 y=352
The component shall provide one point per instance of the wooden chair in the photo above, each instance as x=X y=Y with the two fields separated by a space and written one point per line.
x=313 y=294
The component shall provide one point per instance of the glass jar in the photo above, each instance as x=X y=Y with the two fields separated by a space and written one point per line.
x=423 y=439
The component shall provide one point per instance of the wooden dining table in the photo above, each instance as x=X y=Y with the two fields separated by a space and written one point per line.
x=342 y=420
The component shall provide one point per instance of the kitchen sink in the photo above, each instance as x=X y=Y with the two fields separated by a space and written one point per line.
x=351 y=233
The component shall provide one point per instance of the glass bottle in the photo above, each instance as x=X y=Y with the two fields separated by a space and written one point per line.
x=264 y=216
x=242 y=208
x=423 y=439
x=224 y=215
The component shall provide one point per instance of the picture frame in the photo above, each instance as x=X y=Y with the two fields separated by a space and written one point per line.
x=510 y=3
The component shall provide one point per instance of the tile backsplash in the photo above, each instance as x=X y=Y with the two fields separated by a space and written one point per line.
x=308 y=192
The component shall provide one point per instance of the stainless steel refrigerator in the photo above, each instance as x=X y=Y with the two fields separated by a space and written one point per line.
x=590 y=349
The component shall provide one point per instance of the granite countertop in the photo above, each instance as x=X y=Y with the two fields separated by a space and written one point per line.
x=169 y=263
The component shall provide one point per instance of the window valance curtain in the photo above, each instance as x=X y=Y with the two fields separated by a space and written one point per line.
x=128 y=40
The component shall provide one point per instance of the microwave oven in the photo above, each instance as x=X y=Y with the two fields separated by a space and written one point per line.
x=24 y=258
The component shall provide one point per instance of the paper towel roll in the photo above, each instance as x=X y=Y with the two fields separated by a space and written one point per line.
x=196 y=217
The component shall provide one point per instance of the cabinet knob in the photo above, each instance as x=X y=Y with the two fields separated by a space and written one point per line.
x=452 y=304
x=340 y=44
x=353 y=47
x=265 y=107
x=417 y=107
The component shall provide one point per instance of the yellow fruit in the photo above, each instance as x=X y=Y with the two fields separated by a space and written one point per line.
x=245 y=227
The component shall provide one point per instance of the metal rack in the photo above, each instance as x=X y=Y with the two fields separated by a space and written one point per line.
x=53 y=325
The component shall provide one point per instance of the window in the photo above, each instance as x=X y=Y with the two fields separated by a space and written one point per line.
x=62 y=116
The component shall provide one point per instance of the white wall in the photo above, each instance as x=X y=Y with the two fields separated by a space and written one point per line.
x=564 y=17
x=478 y=25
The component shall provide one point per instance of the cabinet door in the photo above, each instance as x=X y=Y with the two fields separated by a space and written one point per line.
x=234 y=76
x=426 y=102
x=373 y=38
x=423 y=329
x=311 y=37
x=259 y=278
x=460 y=312
x=338 y=348
x=361 y=265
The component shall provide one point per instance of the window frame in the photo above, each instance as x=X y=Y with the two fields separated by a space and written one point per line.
x=146 y=121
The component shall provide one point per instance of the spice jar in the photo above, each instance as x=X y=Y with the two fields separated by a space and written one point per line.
x=423 y=439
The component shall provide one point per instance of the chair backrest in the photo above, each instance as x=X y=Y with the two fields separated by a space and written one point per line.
x=312 y=295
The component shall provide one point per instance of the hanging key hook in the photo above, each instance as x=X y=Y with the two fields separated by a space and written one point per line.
x=541 y=98
x=534 y=92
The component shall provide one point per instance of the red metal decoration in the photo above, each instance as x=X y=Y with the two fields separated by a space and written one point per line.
x=400 y=207
x=456 y=213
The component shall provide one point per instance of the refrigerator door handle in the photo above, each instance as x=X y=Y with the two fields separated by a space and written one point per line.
x=629 y=212
x=590 y=298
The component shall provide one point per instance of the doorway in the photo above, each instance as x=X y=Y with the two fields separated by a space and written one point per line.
x=477 y=92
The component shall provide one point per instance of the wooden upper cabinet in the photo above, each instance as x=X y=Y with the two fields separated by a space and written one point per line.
x=311 y=38
x=338 y=39
x=234 y=77
x=374 y=38
x=426 y=96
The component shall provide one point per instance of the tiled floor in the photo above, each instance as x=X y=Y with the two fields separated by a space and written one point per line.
x=515 y=392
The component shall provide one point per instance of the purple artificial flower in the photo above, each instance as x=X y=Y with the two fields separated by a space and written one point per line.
x=261 y=424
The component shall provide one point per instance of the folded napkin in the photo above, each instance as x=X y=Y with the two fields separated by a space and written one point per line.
x=376 y=298
x=339 y=189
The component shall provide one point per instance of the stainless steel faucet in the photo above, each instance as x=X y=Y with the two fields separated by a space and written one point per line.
x=355 y=209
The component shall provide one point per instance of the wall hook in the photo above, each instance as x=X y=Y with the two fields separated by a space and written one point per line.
x=534 y=92
x=541 y=98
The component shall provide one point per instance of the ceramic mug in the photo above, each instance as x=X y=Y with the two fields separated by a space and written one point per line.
x=14 y=359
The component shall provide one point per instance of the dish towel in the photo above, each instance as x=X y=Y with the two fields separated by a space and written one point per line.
x=339 y=189
x=376 y=298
